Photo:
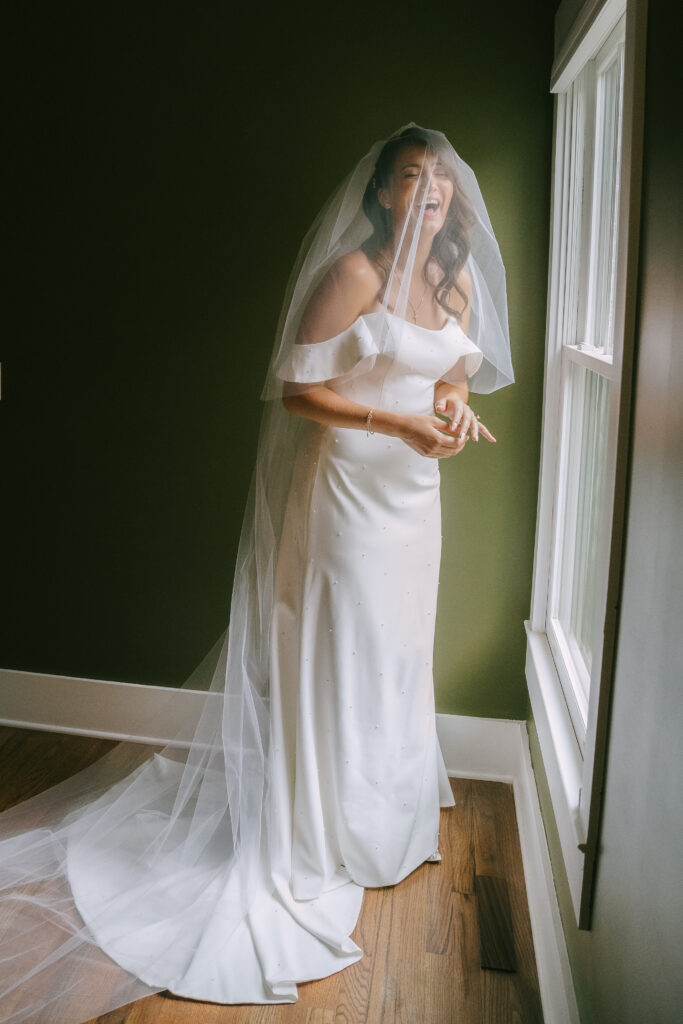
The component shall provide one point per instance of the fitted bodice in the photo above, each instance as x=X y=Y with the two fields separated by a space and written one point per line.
x=385 y=360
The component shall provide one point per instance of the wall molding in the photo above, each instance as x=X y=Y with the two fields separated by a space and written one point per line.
x=474 y=748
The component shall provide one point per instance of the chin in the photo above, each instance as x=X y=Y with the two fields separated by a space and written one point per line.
x=431 y=229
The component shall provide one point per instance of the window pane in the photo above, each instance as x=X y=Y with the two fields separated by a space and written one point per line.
x=607 y=158
x=588 y=421
x=575 y=144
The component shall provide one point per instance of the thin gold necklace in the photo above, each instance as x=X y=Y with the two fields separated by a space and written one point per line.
x=400 y=277
x=416 y=308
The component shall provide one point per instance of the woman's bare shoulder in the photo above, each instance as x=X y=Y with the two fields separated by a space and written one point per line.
x=348 y=289
x=351 y=285
x=358 y=271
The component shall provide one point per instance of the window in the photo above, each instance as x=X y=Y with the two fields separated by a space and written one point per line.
x=598 y=80
x=590 y=112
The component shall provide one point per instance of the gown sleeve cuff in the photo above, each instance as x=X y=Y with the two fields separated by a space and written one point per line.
x=346 y=354
x=468 y=363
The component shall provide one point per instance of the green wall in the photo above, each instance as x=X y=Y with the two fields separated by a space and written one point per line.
x=170 y=158
x=628 y=969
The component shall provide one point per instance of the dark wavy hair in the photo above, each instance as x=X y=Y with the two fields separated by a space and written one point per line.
x=451 y=245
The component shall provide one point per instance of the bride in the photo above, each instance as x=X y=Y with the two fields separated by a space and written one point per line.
x=230 y=867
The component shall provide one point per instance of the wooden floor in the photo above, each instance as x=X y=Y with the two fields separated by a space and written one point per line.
x=421 y=938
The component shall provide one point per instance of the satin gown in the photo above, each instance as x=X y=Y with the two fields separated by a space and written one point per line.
x=357 y=773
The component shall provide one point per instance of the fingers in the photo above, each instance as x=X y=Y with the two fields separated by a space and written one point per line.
x=442 y=434
x=452 y=408
x=485 y=432
x=458 y=410
x=462 y=418
x=440 y=425
x=469 y=421
x=466 y=422
x=461 y=422
x=457 y=447
x=446 y=441
x=447 y=444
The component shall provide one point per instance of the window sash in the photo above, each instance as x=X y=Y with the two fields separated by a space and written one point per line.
x=607 y=85
x=573 y=602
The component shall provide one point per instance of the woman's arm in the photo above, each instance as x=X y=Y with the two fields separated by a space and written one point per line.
x=424 y=434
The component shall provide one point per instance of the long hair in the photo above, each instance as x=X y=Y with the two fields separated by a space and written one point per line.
x=451 y=245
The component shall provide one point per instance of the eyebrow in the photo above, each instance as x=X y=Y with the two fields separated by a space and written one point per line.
x=405 y=167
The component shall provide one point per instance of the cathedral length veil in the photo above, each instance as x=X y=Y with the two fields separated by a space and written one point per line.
x=160 y=854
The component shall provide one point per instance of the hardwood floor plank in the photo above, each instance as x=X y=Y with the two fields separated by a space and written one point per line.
x=496 y=937
x=497 y=851
x=413 y=981
x=384 y=1004
x=467 y=972
x=514 y=873
x=526 y=981
x=319 y=1016
x=439 y=937
x=373 y=934
x=31 y=760
x=459 y=838
x=496 y=1007
x=486 y=800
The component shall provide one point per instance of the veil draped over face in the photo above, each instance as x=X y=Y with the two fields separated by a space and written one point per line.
x=130 y=877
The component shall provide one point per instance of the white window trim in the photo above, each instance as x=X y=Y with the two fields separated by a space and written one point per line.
x=574 y=763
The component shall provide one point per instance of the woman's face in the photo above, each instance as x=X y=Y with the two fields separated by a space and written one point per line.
x=414 y=178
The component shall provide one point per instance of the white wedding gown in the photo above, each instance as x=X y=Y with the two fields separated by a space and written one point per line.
x=357 y=774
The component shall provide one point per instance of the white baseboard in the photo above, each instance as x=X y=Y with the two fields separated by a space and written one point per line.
x=479 y=748
x=474 y=748
x=98 y=707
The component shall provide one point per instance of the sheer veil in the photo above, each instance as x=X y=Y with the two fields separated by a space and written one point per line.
x=130 y=877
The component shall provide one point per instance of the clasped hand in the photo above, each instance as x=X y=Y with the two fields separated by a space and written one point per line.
x=437 y=439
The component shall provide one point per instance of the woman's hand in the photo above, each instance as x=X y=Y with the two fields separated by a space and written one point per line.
x=463 y=420
x=427 y=436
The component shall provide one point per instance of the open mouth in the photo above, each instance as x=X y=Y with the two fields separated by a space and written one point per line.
x=432 y=206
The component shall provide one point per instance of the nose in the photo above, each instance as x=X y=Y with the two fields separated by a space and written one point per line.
x=429 y=184
x=430 y=190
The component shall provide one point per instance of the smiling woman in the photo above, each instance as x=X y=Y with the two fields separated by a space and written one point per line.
x=447 y=218
x=234 y=869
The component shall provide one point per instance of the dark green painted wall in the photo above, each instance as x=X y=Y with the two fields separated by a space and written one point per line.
x=167 y=160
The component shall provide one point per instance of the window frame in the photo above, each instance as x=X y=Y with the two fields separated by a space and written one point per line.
x=574 y=758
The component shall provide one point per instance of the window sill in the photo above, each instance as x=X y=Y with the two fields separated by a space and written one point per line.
x=562 y=757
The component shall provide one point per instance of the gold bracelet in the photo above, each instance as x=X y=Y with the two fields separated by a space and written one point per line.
x=368 y=421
